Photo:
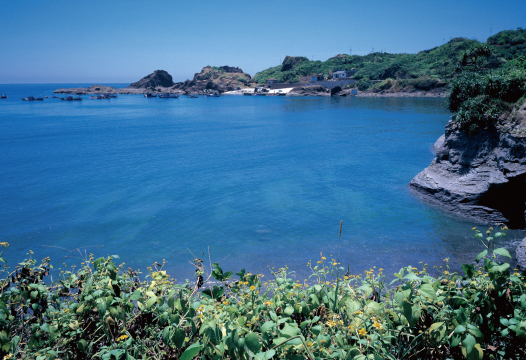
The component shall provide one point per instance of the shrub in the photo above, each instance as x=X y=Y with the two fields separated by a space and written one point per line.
x=479 y=98
x=104 y=311
x=363 y=84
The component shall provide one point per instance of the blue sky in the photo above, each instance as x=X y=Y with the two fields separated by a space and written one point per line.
x=117 y=41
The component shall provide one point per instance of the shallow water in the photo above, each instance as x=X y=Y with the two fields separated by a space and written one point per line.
x=252 y=181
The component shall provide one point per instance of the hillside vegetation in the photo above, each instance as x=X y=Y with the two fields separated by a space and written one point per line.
x=425 y=70
x=104 y=311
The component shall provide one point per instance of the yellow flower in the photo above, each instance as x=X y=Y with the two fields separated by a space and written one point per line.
x=323 y=258
x=252 y=288
x=491 y=228
x=446 y=272
x=357 y=312
x=122 y=337
x=474 y=228
x=334 y=264
x=377 y=325
x=5 y=244
x=362 y=332
x=505 y=228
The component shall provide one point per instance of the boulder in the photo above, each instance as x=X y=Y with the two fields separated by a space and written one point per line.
x=480 y=176
x=159 y=78
x=310 y=90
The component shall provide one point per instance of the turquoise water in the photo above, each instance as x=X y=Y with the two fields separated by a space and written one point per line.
x=249 y=181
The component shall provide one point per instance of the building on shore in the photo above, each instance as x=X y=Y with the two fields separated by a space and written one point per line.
x=316 y=77
x=341 y=74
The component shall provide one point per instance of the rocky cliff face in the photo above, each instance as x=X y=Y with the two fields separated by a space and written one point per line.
x=479 y=176
x=159 y=78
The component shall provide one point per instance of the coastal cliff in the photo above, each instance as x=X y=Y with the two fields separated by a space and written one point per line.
x=480 y=176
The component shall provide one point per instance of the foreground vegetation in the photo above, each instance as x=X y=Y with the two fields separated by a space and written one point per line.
x=105 y=311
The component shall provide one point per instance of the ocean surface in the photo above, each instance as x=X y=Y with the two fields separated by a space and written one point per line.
x=248 y=182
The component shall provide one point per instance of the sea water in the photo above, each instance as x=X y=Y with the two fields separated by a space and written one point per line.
x=249 y=182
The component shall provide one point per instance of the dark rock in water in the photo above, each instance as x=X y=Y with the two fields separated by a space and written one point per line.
x=159 y=78
x=480 y=176
x=310 y=90
x=520 y=255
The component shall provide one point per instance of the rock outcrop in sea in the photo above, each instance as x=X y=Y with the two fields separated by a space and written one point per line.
x=480 y=176
x=159 y=78
x=215 y=80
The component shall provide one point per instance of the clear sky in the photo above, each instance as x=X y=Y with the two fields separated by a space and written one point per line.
x=115 y=41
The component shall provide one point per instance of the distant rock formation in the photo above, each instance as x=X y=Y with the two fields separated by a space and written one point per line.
x=310 y=90
x=215 y=80
x=480 y=176
x=93 y=89
x=209 y=80
x=159 y=78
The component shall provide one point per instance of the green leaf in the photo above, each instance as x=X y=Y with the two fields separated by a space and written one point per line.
x=473 y=330
x=252 y=342
x=462 y=317
x=151 y=302
x=267 y=355
x=82 y=345
x=45 y=328
x=97 y=262
x=437 y=332
x=500 y=268
x=469 y=270
x=316 y=330
x=178 y=338
x=481 y=255
x=460 y=329
x=191 y=352
x=502 y=252
x=288 y=311
x=469 y=343
x=166 y=335
x=289 y=331
x=427 y=289
x=267 y=326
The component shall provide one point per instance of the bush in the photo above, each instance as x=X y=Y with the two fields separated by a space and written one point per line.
x=363 y=84
x=104 y=311
x=479 y=98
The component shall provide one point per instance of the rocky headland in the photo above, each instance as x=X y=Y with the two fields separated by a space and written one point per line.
x=480 y=176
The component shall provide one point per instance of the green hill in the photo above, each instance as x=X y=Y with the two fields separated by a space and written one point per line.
x=429 y=67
